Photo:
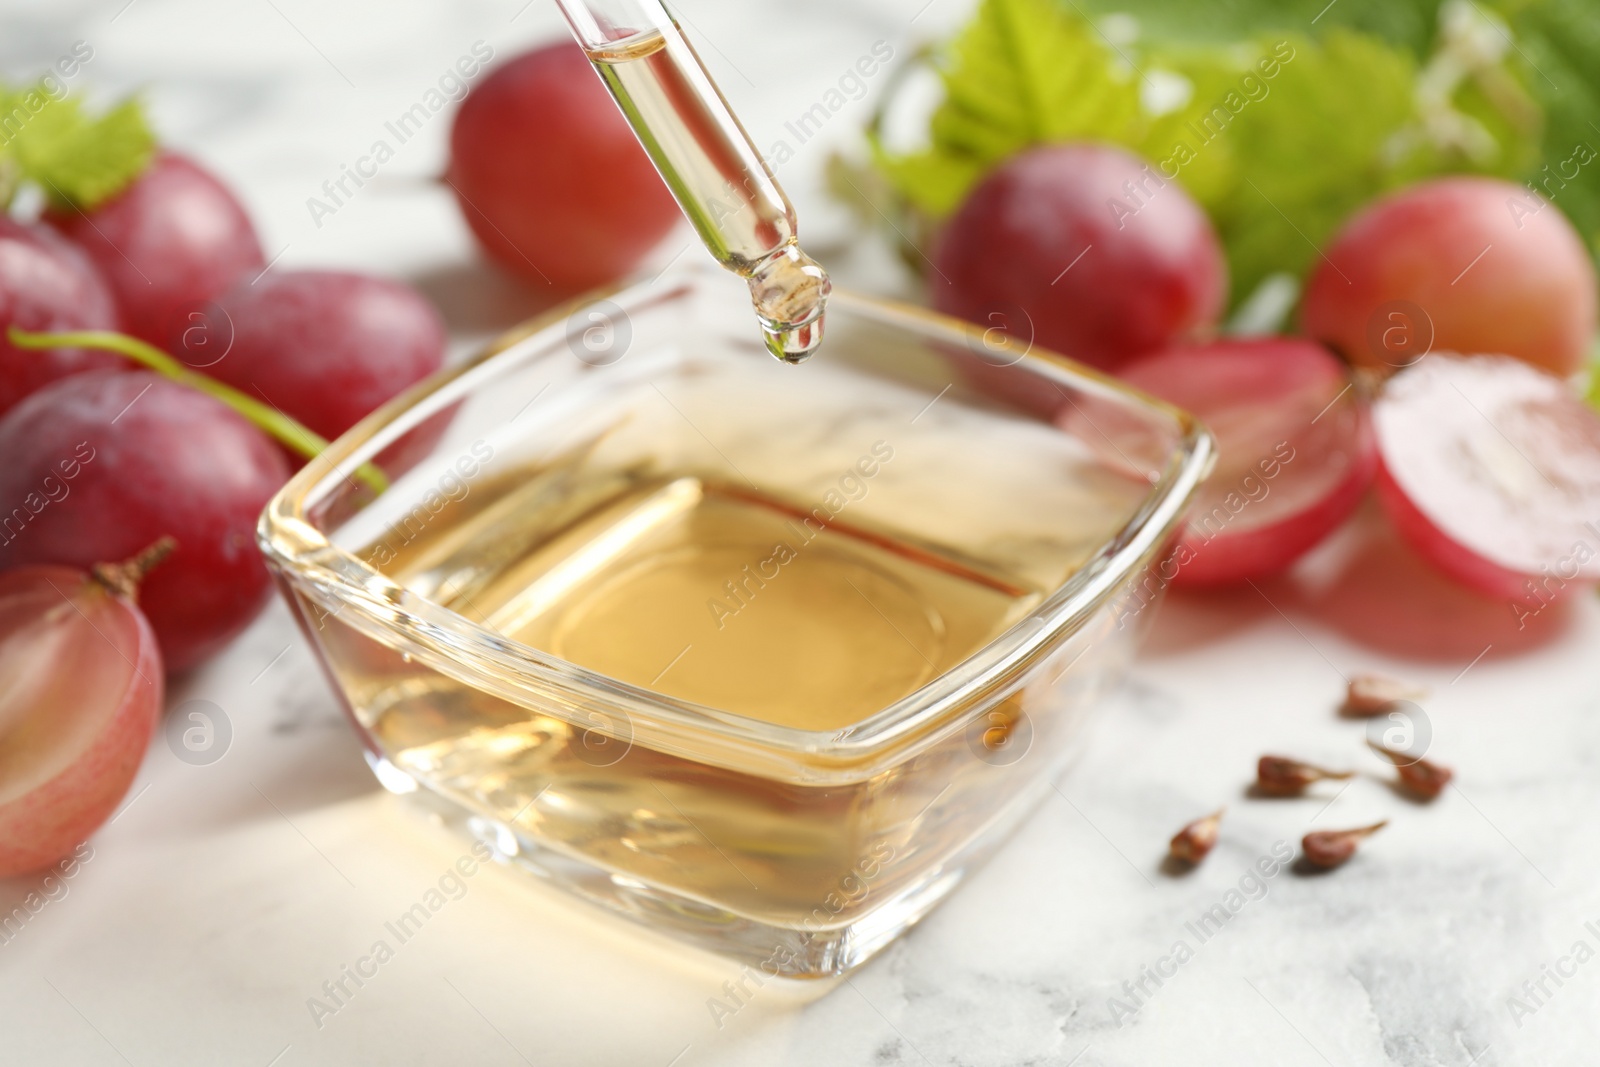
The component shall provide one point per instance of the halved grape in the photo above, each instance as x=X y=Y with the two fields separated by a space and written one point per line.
x=80 y=694
x=1491 y=469
x=99 y=465
x=47 y=283
x=1294 y=451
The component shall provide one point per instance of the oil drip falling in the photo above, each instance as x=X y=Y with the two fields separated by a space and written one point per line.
x=723 y=185
x=790 y=292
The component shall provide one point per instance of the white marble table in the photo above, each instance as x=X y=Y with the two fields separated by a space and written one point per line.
x=225 y=895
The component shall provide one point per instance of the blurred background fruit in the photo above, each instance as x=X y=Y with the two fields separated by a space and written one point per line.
x=1083 y=249
x=550 y=177
x=1491 y=470
x=1294 y=451
x=1478 y=265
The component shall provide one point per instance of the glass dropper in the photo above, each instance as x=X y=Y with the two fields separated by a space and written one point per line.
x=719 y=179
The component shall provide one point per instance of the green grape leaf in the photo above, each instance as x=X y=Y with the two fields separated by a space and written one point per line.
x=78 y=159
x=1178 y=141
x=1552 y=61
x=1023 y=71
x=1407 y=23
x=1557 y=54
x=1326 y=139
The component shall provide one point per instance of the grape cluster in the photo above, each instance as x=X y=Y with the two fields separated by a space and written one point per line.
x=106 y=462
x=173 y=259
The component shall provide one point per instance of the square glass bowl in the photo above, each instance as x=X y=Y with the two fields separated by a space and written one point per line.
x=763 y=656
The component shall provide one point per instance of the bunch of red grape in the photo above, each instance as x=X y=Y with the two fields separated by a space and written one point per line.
x=103 y=460
x=1440 y=329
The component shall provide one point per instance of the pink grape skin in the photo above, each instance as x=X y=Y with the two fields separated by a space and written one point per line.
x=82 y=699
x=550 y=177
x=1146 y=280
x=326 y=348
x=171 y=241
x=47 y=284
x=1490 y=275
x=1295 y=451
x=1491 y=470
x=152 y=458
x=1440 y=549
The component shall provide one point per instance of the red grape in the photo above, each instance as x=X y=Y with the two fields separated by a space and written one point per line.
x=326 y=347
x=1084 y=249
x=82 y=695
x=1294 y=451
x=47 y=283
x=100 y=465
x=168 y=243
x=1458 y=265
x=550 y=176
x=1491 y=469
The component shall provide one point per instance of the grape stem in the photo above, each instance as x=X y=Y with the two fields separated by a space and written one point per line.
x=123 y=578
x=274 y=423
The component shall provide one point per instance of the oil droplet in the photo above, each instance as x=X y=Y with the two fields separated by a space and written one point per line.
x=790 y=293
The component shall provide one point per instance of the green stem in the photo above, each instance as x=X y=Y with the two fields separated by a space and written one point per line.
x=277 y=425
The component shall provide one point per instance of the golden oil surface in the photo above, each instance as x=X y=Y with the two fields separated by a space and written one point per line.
x=718 y=595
